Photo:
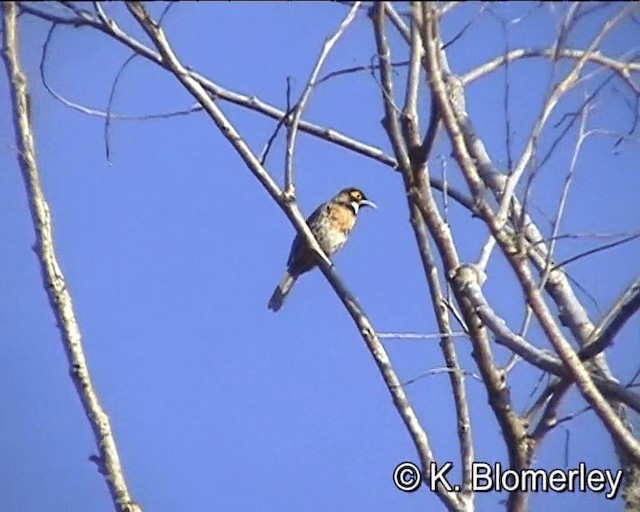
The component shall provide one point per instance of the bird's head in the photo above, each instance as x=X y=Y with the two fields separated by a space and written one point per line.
x=355 y=198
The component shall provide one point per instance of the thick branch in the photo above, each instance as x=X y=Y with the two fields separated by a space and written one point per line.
x=392 y=125
x=376 y=348
x=419 y=154
x=543 y=359
x=573 y=364
x=53 y=278
x=512 y=425
x=452 y=122
x=622 y=310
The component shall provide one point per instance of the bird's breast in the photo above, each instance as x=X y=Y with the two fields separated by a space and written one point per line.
x=333 y=226
x=332 y=241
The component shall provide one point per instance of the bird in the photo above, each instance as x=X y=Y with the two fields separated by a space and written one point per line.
x=330 y=223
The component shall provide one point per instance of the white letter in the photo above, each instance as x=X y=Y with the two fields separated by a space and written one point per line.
x=595 y=480
x=486 y=475
x=504 y=477
x=557 y=480
x=574 y=480
x=615 y=484
x=534 y=480
x=438 y=475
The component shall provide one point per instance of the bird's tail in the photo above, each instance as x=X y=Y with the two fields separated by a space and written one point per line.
x=281 y=292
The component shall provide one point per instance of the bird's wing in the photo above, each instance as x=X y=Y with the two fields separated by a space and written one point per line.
x=298 y=242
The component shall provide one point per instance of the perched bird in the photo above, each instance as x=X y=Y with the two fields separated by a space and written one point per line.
x=331 y=224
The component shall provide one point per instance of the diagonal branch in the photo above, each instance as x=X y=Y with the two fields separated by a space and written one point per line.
x=561 y=88
x=565 y=193
x=602 y=336
x=543 y=359
x=111 y=29
x=53 y=278
x=624 y=69
x=623 y=438
x=512 y=425
x=419 y=155
x=472 y=164
x=622 y=310
x=360 y=319
x=393 y=127
x=289 y=188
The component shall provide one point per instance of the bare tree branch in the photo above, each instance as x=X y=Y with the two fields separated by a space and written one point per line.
x=391 y=122
x=543 y=359
x=112 y=95
x=620 y=312
x=362 y=322
x=558 y=91
x=605 y=247
x=623 y=68
x=419 y=156
x=253 y=103
x=565 y=192
x=289 y=188
x=512 y=230
x=495 y=222
x=553 y=395
x=52 y=275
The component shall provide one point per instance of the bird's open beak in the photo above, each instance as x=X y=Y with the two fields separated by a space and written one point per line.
x=366 y=202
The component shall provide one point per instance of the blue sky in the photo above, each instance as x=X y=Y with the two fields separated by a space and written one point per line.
x=172 y=251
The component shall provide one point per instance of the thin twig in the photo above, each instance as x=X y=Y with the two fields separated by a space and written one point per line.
x=563 y=198
x=216 y=91
x=356 y=69
x=605 y=247
x=624 y=69
x=292 y=132
x=556 y=392
x=90 y=111
x=440 y=371
x=466 y=26
x=551 y=102
x=112 y=94
x=574 y=116
x=351 y=304
x=279 y=125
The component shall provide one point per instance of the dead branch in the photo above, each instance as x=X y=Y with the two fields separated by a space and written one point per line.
x=52 y=275
x=289 y=188
x=170 y=62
